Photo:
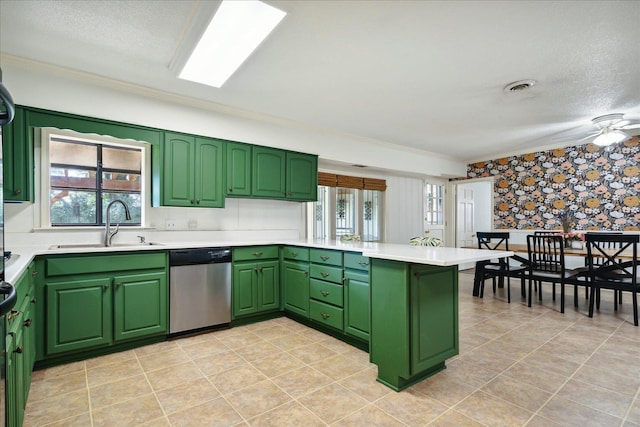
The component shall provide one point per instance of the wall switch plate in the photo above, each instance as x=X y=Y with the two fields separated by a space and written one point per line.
x=170 y=224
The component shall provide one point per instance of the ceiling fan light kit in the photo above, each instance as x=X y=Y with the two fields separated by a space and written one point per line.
x=608 y=137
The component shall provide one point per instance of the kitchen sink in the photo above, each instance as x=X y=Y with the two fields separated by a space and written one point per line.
x=101 y=245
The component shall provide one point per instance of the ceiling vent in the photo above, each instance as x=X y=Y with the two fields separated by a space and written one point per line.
x=519 y=86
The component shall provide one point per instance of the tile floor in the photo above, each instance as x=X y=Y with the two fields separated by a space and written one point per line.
x=517 y=366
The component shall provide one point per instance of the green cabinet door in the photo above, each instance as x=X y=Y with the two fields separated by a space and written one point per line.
x=295 y=287
x=434 y=316
x=140 y=305
x=268 y=172
x=244 y=293
x=208 y=173
x=178 y=182
x=15 y=369
x=357 y=304
x=302 y=176
x=17 y=152
x=268 y=285
x=78 y=314
x=238 y=169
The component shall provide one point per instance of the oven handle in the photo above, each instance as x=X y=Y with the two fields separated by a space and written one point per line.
x=10 y=300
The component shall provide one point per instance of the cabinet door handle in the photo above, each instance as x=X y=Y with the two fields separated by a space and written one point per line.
x=324 y=257
x=325 y=316
x=324 y=274
x=118 y=285
x=192 y=201
x=12 y=314
x=33 y=301
x=257 y=254
x=363 y=263
x=27 y=322
x=19 y=350
x=306 y=273
x=34 y=273
x=197 y=201
x=230 y=189
x=324 y=293
x=17 y=191
x=259 y=269
x=105 y=287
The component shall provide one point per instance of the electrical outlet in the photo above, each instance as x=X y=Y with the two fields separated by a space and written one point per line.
x=170 y=224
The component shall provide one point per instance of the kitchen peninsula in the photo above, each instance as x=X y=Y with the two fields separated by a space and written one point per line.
x=413 y=295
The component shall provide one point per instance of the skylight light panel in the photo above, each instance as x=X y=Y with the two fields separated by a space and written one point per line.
x=235 y=31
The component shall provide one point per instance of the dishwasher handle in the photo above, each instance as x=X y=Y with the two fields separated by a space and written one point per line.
x=199 y=256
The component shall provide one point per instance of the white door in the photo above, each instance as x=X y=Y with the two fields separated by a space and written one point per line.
x=434 y=212
x=465 y=223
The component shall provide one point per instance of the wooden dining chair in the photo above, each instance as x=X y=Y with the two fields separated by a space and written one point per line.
x=547 y=264
x=497 y=270
x=613 y=264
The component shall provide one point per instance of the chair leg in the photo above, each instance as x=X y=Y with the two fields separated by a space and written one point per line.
x=591 y=300
x=529 y=296
x=575 y=296
x=508 y=291
x=615 y=300
x=598 y=299
x=561 y=297
x=523 y=291
x=554 y=291
x=635 y=307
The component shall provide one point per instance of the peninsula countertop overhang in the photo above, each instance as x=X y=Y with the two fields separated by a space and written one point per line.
x=439 y=256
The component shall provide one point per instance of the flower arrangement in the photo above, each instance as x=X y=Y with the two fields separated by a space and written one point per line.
x=573 y=236
x=567 y=220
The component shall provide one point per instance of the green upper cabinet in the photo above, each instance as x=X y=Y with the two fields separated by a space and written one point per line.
x=302 y=176
x=238 y=169
x=193 y=171
x=268 y=173
x=17 y=152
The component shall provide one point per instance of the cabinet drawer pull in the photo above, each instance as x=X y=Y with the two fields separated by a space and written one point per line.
x=294 y=254
x=34 y=273
x=197 y=201
x=325 y=316
x=17 y=191
x=306 y=273
x=257 y=254
x=19 y=350
x=324 y=293
x=105 y=287
x=33 y=301
x=363 y=263
x=324 y=257
x=27 y=322
x=118 y=285
x=192 y=201
x=324 y=274
x=12 y=314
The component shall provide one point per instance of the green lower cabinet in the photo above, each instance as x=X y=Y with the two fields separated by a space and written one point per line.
x=256 y=287
x=357 y=304
x=414 y=320
x=79 y=314
x=140 y=305
x=326 y=314
x=295 y=287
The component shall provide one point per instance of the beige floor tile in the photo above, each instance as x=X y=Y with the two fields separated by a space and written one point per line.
x=155 y=348
x=445 y=387
x=339 y=367
x=257 y=399
x=568 y=413
x=518 y=393
x=453 y=418
x=82 y=420
x=538 y=421
x=369 y=416
x=56 y=408
x=240 y=340
x=336 y=345
x=364 y=384
x=302 y=381
x=617 y=382
x=332 y=402
x=116 y=371
x=213 y=413
x=291 y=414
x=129 y=413
x=258 y=351
x=490 y=410
x=110 y=359
x=163 y=359
x=236 y=379
x=204 y=348
x=174 y=376
x=411 y=407
x=158 y=422
x=55 y=371
x=290 y=342
x=60 y=384
x=312 y=352
x=274 y=331
x=277 y=364
x=634 y=412
x=220 y=362
x=118 y=391
x=593 y=396
x=536 y=376
x=186 y=395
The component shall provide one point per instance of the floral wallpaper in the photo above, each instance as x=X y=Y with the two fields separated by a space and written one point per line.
x=598 y=187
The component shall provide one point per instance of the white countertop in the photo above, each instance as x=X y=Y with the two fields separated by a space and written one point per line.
x=440 y=256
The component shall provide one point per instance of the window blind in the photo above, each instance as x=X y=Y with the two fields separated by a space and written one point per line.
x=346 y=181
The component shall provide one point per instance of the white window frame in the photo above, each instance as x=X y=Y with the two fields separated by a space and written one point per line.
x=42 y=193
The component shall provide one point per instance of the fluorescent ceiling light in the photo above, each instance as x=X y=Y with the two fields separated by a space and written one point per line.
x=608 y=137
x=236 y=30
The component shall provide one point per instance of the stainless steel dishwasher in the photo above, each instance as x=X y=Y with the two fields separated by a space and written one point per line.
x=200 y=288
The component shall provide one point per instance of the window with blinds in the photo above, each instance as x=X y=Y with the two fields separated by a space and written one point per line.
x=348 y=205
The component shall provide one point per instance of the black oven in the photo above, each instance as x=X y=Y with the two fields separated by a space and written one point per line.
x=7 y=292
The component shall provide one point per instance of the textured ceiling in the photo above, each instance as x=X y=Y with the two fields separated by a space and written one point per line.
x=423 y=74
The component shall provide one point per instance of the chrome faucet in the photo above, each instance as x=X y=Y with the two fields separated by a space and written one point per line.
x=108 y=235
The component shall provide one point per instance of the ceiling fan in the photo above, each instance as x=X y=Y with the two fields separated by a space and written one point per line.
x=611 y=129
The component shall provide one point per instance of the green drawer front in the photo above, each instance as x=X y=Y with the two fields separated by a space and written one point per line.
x=356 y=261
x=252 y=253
x=322 y=256
x=64 y=266
x=295 y=253
x=323 y=272
x=326 y=314
x=326 y=292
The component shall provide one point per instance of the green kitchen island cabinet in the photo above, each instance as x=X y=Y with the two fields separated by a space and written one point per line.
x=414 y=314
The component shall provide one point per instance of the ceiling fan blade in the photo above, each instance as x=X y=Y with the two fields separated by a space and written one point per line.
x=631 y=126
